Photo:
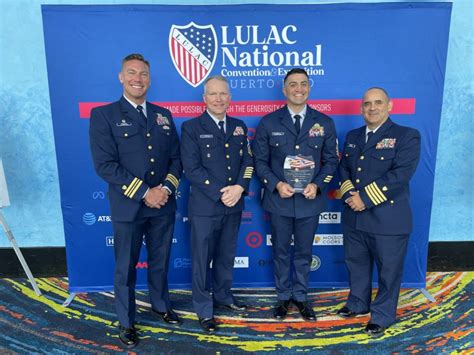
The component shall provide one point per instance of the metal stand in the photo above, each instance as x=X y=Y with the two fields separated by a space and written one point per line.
x=69 y=299
x=19 y=254
x=428 y=295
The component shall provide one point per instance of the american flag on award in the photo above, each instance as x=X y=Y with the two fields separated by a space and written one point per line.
x=193 y=49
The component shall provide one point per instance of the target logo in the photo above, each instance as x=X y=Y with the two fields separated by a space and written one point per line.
x=254 y=239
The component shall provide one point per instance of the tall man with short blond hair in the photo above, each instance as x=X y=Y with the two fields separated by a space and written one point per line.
x=135 y=149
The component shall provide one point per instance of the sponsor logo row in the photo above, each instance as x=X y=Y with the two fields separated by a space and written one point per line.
x=255 y=240
x=90 y=218
x=240 y=262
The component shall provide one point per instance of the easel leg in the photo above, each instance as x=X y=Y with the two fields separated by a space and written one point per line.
x=69 y=299
x=19 y=254
x=428 y=295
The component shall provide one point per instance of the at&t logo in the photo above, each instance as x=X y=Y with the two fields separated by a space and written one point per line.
x=89 y=218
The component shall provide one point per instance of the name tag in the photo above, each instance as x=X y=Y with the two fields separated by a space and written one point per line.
x=278 y=134
x=206 y=136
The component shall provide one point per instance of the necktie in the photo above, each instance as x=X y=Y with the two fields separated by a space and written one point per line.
x=221 y=127
x=369 y=134
x=140 y=111
x=297 y=123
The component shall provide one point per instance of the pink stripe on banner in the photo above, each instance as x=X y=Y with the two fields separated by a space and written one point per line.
x=189 y=109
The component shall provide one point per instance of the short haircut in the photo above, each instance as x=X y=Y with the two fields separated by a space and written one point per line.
x=135 y=56
x=378 y=88
x=295 y=71
x=216 y=77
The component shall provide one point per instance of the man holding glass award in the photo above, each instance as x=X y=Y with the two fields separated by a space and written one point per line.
x=295 y=158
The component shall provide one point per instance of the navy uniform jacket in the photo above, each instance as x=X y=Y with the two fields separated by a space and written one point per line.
x=380 y=170
x=212 y=162
x=132 y=155
x=275 y=139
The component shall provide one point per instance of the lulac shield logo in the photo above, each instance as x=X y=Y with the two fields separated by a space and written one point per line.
x=193 y=49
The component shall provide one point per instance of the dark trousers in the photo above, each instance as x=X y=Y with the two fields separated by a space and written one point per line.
x=388 y=252
x=292 y=273
x=213 y=239
x=128 y=239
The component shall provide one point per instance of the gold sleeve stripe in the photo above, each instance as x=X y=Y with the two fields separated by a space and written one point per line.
x=173 y=180
x=328 y=178
x=379 y=192
x=135 y=189
x=130 y=187
x=374 y=193
x=346 y=186
x=248 y=172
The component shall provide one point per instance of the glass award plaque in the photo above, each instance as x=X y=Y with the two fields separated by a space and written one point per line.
x=298 y=171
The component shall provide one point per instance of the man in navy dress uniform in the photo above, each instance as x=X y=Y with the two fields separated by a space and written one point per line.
x=135 y=149
x=377 y=164
x=218 y=163
x=295 y=129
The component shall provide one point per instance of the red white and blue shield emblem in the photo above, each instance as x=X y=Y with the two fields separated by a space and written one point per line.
x=193 y=49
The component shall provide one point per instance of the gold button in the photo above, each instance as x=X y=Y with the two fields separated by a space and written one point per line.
x=227 y=156
x=125 y=135
x=230 y=179
x=391 y=201
x=124 y=187
x=362 y=157
x=228 y=168
x=347 y=155
x=206 y=182
x=297 y=147
x=382 y=158
x=207 y=145
x=357 y=180
x=276 y=144
x=152 y=172
x=152 y=160
x=265 y=181
x=148 y=134
x=150 y=147
x=359 y=169
x=227 y=145
x=385 y=188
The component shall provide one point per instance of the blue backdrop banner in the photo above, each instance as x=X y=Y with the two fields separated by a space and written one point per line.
x=346 y=48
